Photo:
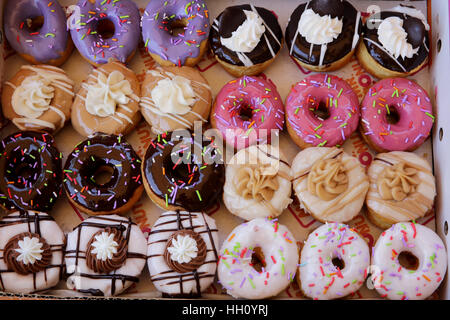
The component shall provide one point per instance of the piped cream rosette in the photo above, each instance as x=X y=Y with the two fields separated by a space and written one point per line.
x=330 y=184
x=257 y=183
x=174 y=97
x=402 y=188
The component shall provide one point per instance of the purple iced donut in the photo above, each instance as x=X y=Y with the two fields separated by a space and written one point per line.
x=106 y=30
x=159 y=20
x=36 y=30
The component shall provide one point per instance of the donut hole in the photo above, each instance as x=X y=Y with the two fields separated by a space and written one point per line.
x=246 y=113
x=392 y=115
x=34 y=24
x=338 y=263
x=408 y=260
x=177 y=27
x=258 y=259
x=321 y=111
x=106 y=29
x=103 y=175
x=22 y=174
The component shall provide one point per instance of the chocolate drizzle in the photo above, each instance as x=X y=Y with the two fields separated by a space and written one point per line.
x=198 y=185
x=230 y=19
x=102 y=152
x=310 y=54
x=30 y=167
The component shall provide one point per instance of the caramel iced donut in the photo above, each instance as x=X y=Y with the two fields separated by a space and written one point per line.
x=258 y=259
x=409 y=262
x=333 y=262
x=173 y=98
x=32 y=247
x=330 y=184
x=181 y=253
x=257 y=183
x=38 y=98
x=402 y=188
x=108 y=101
x=105 y=255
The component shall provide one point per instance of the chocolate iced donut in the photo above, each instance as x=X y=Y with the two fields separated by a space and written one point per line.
x=188 y=183
x=111 y=161
x=32 y=247
x=322 y=34
x=30 y=171
x=245 y=39
x=395 y=43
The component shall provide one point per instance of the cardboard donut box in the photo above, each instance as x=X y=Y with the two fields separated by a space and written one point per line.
x=284 y=72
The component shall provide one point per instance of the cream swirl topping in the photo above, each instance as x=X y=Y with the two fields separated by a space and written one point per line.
x=247 y=36
x=103 y=96
x=317 y=29
x=30 y=250
x=173 y=95
x=327 y=179
x=183 y=249
x=258 y=183
x=397 y=182
x=394 y=38
x=104 y=246
x=33 y=97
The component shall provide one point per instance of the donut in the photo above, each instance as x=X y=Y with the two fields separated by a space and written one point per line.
x=396 y=115
x=402 y=188
x=168 y=47
x=395 y=42
x=32 y=246
x=257 y=183
x=409 y=261
x=321 y=110
x=108 y=101
x=38 y=98
x=322 y=35
x=193 y=182
x=333 y=262
x=182 y=255
x=102 y=175
x=258 y=259
x=245 y=39
x=104 y=255
x=36 y=30
x=106 y=30
x=330 y=184
x=174 y=97
x=248 y=111
x=30 y=171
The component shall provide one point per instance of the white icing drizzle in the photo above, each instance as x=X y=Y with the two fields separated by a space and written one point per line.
x=356 y=35
x=387 y=52
x=32 y=122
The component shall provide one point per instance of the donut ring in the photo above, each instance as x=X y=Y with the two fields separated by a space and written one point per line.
x=189 y=184
x=38 y=274
x=157 y=115
x=30 y=169
x=46 y=108
x=397 y=281
x=246 y=110
x=105 y=30
x=321 y=110
x=402 y=102
x=168 y=50
x=98 y=154
x=51 y=43
x=197 y=274
x=120 y=115
x=272 y=244
x=333 y=262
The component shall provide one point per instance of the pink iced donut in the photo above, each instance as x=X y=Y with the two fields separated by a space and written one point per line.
x=246 y=111
x=396 y=115
x=321 y=110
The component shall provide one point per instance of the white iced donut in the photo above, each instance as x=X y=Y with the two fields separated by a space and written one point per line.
x=258 y=259
x=402 y=188
x=333 y=262
x=257 y=183
x=330 y=184
x=105 y=255
x=409 y=261
x=182 y=254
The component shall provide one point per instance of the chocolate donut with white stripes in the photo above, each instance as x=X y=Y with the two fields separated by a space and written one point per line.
x=322 y=35
x=395 y=43
x=246 y=39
